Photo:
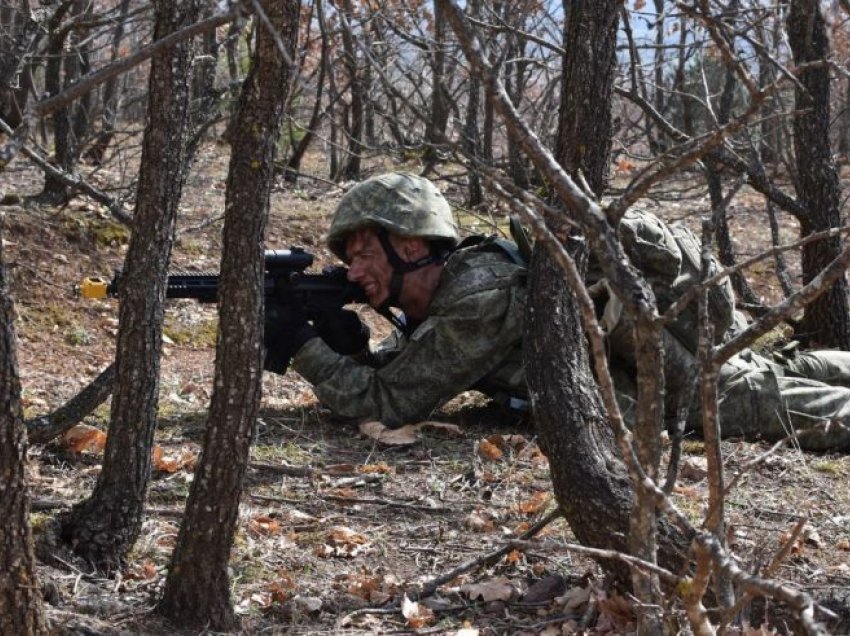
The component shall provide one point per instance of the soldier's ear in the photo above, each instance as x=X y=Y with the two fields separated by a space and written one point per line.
x=414 y=248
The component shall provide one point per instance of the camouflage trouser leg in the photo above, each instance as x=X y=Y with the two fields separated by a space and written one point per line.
x=758 y=403
x=830 y=367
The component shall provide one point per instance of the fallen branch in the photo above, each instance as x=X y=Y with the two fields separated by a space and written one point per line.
x=285 y=469
x=484 y=560
x=44 y=428
x=386 y=502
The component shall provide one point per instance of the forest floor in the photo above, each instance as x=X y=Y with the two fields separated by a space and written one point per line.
x=333 y=525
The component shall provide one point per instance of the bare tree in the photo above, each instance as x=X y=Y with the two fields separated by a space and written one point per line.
x=104 y=527
x=353 y=121
x=197 y=591
x=21 y=607
x=827 y=320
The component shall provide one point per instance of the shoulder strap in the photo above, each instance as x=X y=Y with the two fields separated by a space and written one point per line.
x=494 y=243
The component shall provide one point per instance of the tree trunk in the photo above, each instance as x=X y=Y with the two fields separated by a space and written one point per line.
x=205 y=99
x=105 y=526
x=20 y=34
x=300 y=149
x=21 y=607
x=55 y=191
x=577 y=439
x=111 y=93
x=351 y=169
x=605 y=512
x=470 y=128
x=826 y=321
x=197 y=590
x=439 y=116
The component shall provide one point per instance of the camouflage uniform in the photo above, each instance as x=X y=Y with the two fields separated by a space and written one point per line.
x=759 y=397
x=472 y=338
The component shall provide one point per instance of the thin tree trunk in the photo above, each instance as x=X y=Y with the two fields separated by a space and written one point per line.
x=298 y=152
x=111 y=93
x=21 y=607
x=197 y=590
x=826 y=321
x=20 y=34
x=104 y=527
x=351 y=168
x=470 y=129
x=436 y=126
x=55 y=190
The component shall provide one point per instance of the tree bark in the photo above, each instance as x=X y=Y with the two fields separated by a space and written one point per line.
x=197 y=589
x=21 y=607
x=55 y=191
x=471 y=141
x=351 y=168
x=111 y=93
x=104 y=527
x=826 y=321
x=606 y=511
x=20 y=33
x=439 y=116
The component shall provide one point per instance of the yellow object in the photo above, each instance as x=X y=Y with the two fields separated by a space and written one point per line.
x=94 y=287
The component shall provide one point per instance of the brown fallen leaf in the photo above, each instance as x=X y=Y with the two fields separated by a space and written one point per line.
x=340 y=469
x=497 y=589
x=264 y=526
x=545 y=589
x=532 y=506
x=84 y=437
x=480 y=521
x=516 y=442
x=342 y=541
x=405 y=435
x=381 y=468
x=489 y=450
x=171 y=463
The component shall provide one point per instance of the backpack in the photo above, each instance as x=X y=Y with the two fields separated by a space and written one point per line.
x=669 y=256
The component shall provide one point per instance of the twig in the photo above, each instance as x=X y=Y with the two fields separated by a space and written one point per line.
x=385 y=502
x=484 y=560
x=285 y=469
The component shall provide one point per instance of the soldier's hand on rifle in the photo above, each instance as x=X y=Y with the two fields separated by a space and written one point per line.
x=285 y=331
x=343 y=331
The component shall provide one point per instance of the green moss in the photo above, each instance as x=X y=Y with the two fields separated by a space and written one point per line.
x=110 y=233
x=38 y=520
x=202 y=334
x=46 y=318
x=77 y=336
x=289 y=452
x=826 y=466
x=105 y=232
x=693 y=447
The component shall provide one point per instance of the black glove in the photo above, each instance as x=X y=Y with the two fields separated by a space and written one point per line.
x=343 y=331
x=285 y=331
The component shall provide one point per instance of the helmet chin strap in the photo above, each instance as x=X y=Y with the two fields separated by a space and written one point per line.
x=400 y=268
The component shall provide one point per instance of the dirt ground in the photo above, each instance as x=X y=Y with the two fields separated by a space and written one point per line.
x=333 y=525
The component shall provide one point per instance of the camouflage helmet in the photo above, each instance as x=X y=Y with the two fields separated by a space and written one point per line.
x=400 y=203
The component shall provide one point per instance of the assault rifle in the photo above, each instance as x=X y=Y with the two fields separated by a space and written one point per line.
x=286 y=281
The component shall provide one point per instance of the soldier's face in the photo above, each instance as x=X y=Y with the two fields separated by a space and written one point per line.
x=368 y=266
